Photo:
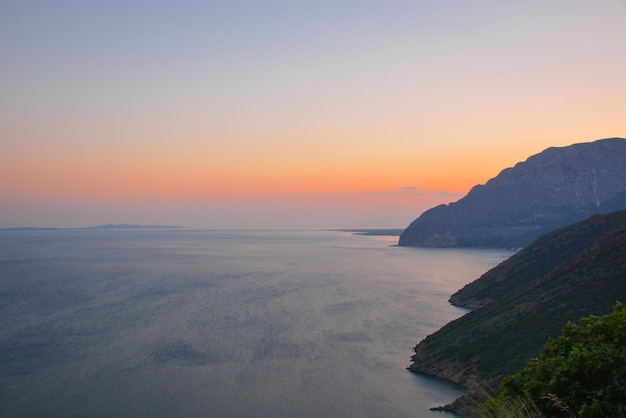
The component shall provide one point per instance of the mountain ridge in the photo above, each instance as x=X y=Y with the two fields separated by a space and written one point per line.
x=557 y=187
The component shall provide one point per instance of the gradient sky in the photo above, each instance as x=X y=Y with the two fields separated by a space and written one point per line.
x=290 y=113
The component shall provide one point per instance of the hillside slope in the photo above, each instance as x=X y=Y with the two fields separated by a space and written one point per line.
x=498 y=339
x=549 y=190
x=537 y=259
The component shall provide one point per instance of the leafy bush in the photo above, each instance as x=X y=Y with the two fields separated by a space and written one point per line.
x=521 y=407
x=581 y=373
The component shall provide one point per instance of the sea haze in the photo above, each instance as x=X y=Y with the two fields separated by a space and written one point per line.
x=198 y=323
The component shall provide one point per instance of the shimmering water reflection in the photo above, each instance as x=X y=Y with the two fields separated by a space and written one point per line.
x=198 y=323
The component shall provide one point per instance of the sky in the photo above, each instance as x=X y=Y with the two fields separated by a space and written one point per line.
x=275 y=113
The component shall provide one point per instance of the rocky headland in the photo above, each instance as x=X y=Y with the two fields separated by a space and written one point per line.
x=570 y=273
x=549 y=190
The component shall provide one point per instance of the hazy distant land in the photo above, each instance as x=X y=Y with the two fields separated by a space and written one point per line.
x=375 y=231
x=103 y=227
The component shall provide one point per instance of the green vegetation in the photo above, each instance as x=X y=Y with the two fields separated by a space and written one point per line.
x=520 y=407
x=582 y=373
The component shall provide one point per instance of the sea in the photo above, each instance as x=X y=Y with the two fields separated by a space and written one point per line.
x=223 y=323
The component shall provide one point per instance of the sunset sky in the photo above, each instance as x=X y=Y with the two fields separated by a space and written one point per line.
x=290 y=113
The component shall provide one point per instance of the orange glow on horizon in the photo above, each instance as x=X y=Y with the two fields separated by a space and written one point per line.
x=186 y=178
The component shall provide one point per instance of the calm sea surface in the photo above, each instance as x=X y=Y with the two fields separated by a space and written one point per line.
x=209 y=323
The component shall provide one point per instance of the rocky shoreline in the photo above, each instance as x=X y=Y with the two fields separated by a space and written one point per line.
x=582 y=274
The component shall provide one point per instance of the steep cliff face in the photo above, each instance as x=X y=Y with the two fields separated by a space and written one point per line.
x=500 y=337
x=557 y=187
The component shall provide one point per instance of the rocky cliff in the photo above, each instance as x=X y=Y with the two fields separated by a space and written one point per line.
x=581 y=271
x=549 y=190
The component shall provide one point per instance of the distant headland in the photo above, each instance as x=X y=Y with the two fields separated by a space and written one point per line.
x=390 y=232
x=549 y=190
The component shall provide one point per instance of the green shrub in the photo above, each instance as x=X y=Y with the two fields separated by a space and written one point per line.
x=519 y=407
x=582 y=373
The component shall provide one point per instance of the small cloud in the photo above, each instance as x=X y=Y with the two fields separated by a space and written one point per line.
x=417 y=191
x=444 y=193
x=406 y=189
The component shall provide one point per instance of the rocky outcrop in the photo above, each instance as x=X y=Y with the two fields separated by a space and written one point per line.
x=549 y=190
x=582 y=273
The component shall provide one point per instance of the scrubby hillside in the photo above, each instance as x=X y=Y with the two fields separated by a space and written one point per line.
x=498 y=339
x=537 y=259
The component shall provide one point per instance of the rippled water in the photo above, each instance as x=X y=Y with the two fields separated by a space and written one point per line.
x=205 y=323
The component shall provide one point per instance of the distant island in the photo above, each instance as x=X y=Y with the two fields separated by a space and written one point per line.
x=99 y=227
x=132 y=226
x=549 y=190
x=374 y=231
